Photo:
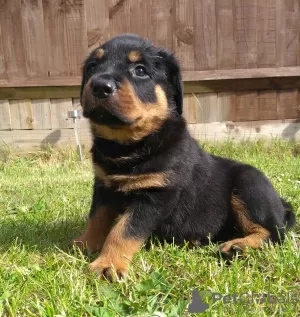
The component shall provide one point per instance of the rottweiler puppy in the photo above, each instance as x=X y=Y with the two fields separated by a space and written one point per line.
x=151 y=176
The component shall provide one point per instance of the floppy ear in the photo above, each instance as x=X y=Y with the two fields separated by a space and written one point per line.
x=82 y=83
x=174 y=75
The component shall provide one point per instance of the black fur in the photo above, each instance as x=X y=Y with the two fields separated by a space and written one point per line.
x=196 y=203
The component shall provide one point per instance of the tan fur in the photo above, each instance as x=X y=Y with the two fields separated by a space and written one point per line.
x=117 y=251
x=147 y=117
x=100 y=53
x=97 y=229
x=134 y=56
x=127 y=183
x=254 y=233
x=99 y=172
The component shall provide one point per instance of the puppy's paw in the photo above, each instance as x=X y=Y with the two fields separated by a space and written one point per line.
x=111 y=270
x=229 y=250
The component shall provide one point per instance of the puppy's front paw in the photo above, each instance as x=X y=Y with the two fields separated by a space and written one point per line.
x=109 y=269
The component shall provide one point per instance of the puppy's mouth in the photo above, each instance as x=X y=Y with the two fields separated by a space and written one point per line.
x=105 y=111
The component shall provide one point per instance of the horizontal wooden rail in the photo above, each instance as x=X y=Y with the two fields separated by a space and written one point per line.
x=207 y=75
x=194 y=82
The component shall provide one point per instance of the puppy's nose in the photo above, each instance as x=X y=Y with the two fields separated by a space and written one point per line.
x=103 y=88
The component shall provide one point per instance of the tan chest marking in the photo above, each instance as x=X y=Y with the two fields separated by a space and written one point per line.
x=127 y=183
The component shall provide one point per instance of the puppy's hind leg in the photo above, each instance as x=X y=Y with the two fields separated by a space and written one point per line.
x=254 y=234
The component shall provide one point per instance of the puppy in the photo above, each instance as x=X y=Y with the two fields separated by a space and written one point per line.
x=151 y=176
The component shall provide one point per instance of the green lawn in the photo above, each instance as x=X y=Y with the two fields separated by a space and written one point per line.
x=44 y=201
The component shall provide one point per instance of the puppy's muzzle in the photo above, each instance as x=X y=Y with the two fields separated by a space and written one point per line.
x=103 y=88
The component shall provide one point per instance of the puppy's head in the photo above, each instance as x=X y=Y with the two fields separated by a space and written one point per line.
x=129 y=88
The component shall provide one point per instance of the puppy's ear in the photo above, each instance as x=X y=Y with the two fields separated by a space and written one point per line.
x=174 y=75
x=82 y=83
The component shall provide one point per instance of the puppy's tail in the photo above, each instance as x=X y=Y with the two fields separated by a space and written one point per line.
x=290 y=217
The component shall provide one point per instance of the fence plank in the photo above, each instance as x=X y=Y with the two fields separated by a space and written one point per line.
x=247 y=106
x=21 y=114
x=41 y=113
x=205 y=34
x=59 y=113
x=119 y=17
x=251 y=130
x=97 y=19
x=2 y=61
x=37 y=139
x=34 y=37
x=226 y=106
x=206 y=108
x=140 y=18
x=189 y=108
x=161 y=25
x=76 y=45
x=5 y=122
x=288 y=106
x=266 y=33
x=11 y=27
x=225 y=34
x=287 y=33
x=245 y=28
x=53 y=12
x=267 y=105
x=184 y=33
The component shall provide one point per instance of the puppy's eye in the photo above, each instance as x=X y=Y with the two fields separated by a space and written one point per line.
x=140 y=71
x=91 y=68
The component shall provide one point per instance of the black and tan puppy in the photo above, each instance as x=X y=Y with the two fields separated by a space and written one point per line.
x=151 y=177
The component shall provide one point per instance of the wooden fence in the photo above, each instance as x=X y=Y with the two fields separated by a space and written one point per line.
x=240 y=61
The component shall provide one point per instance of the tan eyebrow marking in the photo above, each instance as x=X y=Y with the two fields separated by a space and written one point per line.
x=100 y=53
x=134 y=56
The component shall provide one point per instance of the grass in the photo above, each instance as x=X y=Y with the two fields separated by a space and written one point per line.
x=44 y=201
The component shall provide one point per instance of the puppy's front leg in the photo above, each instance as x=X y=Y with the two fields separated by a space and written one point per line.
x=124 y=240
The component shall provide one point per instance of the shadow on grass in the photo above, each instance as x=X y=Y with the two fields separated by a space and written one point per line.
x=40 y=236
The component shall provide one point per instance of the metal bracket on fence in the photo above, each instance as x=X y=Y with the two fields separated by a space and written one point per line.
x=74 y=114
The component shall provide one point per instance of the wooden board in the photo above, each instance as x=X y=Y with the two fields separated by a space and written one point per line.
x=226 y=107
x=21 y=114
x=288 y=106
x=97 y=20
x=206 y=107
x=139 y=9
x=11 y=27
x=205 y=34
x=76 y=42
x=267 y=105
x=161 y=26
x=5 y=122
x=266 y=33
x=119 y=13
x=184 y=33
x=56 y=53
x=247 y=106
x=253 y=130
x=189 y=108
x=2 y=60
x=287 y=32
x=59 y=113
x=34 y=38
x=289 y=73
x=41 y=113
x=225 y=32
x=37 y=139
x=245 y=28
